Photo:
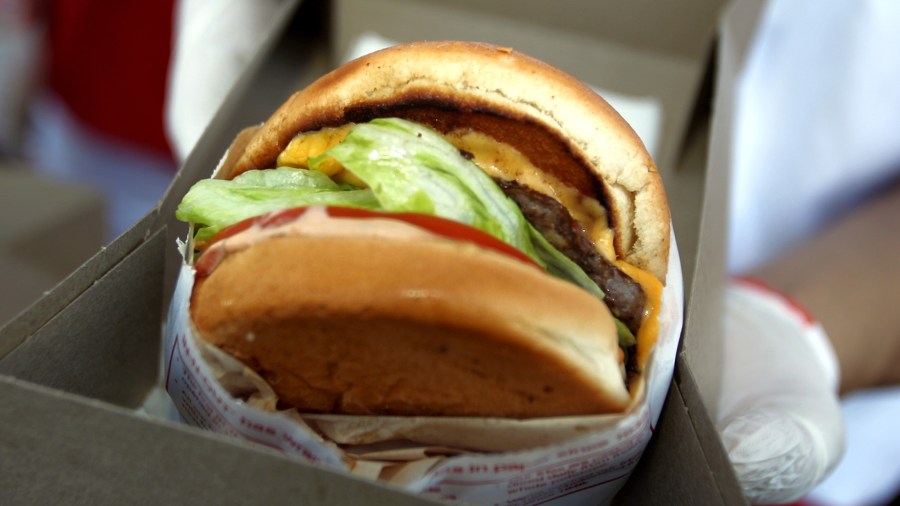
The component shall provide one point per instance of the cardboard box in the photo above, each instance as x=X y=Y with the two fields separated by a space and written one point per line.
x=47 y=229
x=78 y=369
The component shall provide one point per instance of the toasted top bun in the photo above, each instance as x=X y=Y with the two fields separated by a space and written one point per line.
x=378 y=329
x=560 y=124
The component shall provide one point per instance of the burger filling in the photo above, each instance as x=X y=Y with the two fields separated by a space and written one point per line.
x=624 y=296
x=393 y=165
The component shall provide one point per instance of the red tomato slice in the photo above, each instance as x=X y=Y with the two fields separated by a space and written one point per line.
x=436 y=225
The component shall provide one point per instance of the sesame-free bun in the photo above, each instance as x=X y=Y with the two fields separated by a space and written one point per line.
x=560 y=124
x=364 y=325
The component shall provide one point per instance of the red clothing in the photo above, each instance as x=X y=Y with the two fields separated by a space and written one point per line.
x=108 y=61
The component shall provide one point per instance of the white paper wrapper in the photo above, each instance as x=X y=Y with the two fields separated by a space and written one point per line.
x=568 y=460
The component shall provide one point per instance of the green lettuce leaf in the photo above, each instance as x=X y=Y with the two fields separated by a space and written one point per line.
x=213 y=204
x=411 y=168
x=407 y=167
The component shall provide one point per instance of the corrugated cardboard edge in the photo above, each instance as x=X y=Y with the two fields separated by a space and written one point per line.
x=27 y=323
x=201 y=467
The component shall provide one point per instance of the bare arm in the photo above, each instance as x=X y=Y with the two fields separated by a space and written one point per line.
x=848 y=277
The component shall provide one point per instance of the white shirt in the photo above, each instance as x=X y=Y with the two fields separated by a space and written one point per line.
x=817 y=120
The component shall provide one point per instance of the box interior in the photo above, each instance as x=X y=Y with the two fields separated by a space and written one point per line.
x=92 y=346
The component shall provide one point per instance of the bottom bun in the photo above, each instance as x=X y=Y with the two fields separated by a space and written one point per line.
x=362 y=325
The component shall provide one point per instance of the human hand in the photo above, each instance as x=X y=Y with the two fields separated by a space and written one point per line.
x=779 y=415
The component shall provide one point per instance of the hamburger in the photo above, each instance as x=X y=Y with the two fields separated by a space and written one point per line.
x=435 y=229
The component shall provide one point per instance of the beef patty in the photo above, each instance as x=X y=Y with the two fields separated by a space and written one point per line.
x=624 y=296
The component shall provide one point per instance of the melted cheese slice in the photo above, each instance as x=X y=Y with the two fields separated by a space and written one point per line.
x=646 y=336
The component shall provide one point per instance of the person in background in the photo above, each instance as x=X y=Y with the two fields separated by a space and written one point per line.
x=95 y=107
x=19 y=44
x=815 y=203
x=97 y=116
x=816 y=144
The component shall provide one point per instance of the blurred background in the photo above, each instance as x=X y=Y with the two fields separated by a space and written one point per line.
x=85 y=152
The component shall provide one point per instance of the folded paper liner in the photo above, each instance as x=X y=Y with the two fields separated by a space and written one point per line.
x=473 y=460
